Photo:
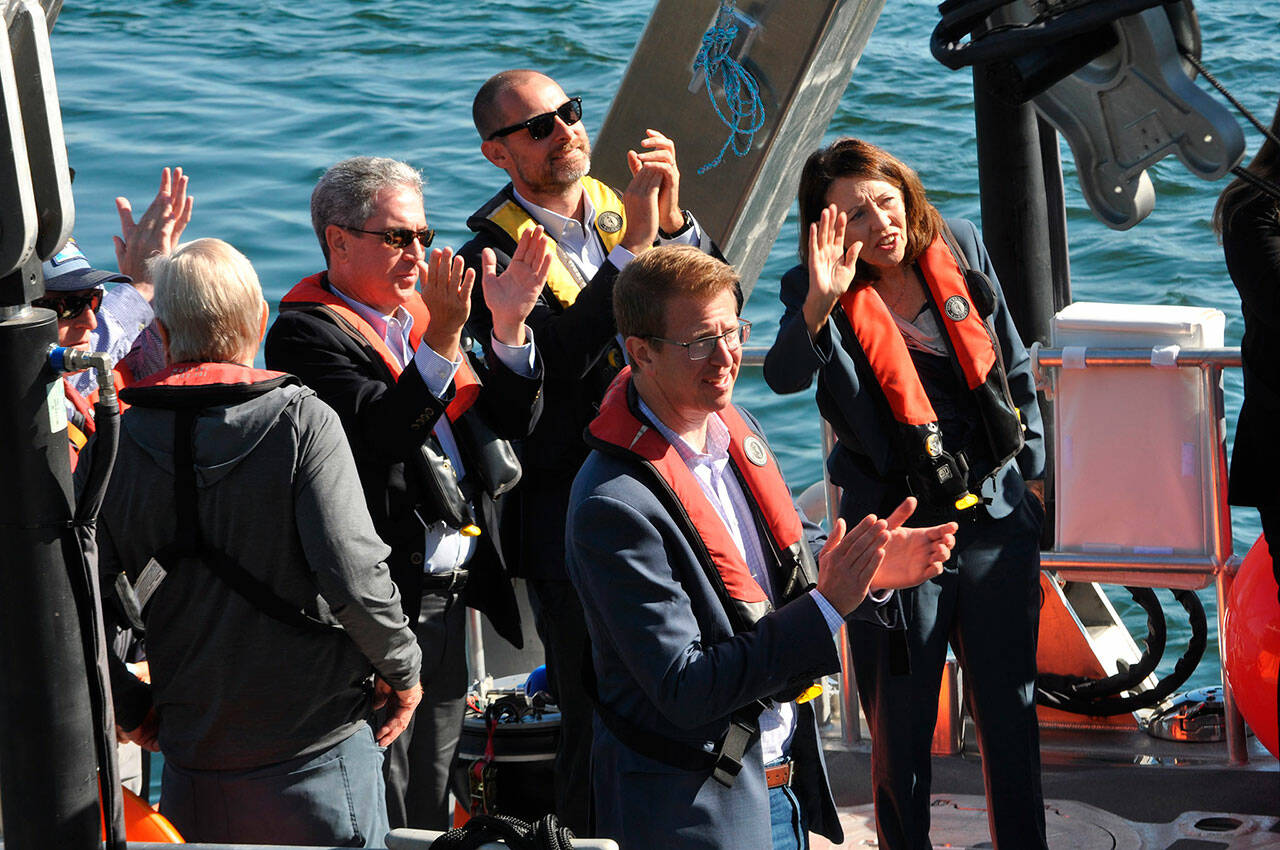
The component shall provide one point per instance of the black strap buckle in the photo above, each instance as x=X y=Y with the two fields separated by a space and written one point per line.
x=743 y=726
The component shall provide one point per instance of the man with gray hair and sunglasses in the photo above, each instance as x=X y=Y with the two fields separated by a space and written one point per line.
x=534 y=132
x=378 y=336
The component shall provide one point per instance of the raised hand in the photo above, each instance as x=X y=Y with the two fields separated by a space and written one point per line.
x=913 y=555
x=445 y=287
x=157 y=232
x=848 y=562
x=640 y=201
x=831 y=267
x=510 y=296
x=662 y=151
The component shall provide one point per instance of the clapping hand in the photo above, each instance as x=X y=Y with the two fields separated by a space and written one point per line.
x=662 y=152
x=640 y=201
x=445 y=287
x=848 y=562
x=913 y=555
x=157 y=232
x=510 y=296
x=831 y=267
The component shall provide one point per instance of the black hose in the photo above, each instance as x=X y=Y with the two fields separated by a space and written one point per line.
x=545 y=834
x=80 y=548
x=1257 y=181
x=1100 y=697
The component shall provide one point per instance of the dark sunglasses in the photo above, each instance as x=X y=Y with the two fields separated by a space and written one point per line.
x=399 y=237
x=68 y=305
x=541 y=126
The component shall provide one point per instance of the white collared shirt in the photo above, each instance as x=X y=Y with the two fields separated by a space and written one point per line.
x=446 y=548
x=711 y=468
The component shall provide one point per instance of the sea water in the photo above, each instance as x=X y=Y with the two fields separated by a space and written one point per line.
x=255 y=99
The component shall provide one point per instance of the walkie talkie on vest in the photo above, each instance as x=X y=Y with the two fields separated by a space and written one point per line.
x=936 y=476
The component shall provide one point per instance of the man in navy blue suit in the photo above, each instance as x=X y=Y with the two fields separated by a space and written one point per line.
x=707 y=610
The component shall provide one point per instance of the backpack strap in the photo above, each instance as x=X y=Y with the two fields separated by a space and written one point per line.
x=189 y=543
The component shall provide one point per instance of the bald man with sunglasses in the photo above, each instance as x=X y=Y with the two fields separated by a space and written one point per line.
x=534 y=132
x=378 y=337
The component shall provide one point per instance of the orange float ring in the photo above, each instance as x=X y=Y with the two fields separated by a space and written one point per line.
x=1251 y=644
x=143 y=823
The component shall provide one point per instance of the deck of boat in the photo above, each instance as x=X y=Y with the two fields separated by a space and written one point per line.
x=1112 y=789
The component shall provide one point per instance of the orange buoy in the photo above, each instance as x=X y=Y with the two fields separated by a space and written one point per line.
x=143 y=823
x=1251 y=644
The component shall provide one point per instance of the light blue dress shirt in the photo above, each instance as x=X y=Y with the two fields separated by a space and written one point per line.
x=446 y=549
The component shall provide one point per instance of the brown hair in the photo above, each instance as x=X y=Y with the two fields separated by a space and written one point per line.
x=651 y=280
x=856 y=158
x=1265 y=164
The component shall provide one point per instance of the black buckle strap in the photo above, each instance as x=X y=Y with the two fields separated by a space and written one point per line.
x=724 y=762
x=743 y=727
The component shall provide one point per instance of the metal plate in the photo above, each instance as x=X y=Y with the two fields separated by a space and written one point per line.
x=802 y=53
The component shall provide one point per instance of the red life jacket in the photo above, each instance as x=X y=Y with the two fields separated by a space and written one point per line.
x=617 y=429
x=77 y=436
x=878 y=334
x=205 y=374
x=312 y=292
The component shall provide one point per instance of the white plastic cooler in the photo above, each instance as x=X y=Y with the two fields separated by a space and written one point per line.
x=1134 y=445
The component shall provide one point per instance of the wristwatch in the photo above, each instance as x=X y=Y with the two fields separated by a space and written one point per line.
x=684 y=228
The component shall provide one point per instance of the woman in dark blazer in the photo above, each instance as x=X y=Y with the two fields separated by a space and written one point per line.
x=924 y=379
x=1247 y=218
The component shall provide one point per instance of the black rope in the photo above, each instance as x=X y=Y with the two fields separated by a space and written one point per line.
x=1256 y=181
x=1213 y=81
x=544 y=834
x=1081 y=695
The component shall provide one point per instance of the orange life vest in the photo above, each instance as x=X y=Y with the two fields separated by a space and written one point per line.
x=78 y=433
x=878 y=334
x=312 y=292
x=204 y=374
x=620 y=430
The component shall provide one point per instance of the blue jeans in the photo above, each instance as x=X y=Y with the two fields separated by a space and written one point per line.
x=786 y=820
x=335 y=798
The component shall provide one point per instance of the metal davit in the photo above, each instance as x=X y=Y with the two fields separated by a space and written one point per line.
x=48 y=778
x=801 y=54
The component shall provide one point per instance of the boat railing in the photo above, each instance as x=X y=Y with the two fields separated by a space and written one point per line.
x=1216 y=566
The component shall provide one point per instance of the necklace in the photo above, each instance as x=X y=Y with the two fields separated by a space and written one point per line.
x=899 y=297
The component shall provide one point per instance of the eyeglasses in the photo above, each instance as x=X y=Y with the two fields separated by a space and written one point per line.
x=399 y=237
x=541 y=126
x=68 y=305
x=700 y=349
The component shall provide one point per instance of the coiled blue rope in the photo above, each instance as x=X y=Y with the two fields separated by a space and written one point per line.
x=745 y=111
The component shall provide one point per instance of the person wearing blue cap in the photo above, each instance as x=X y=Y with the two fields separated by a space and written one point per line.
x=92 y=318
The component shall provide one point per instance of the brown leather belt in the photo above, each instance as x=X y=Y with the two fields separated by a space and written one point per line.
x=778 y=775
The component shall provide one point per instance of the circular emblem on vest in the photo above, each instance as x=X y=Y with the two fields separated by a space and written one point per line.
x=956 y=308
x=933 y=445
x=609 y=221
x=753 y=448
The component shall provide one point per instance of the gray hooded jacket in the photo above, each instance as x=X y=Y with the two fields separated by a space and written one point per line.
x=279 y=493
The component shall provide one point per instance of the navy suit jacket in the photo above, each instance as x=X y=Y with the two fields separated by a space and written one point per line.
x=386 y=420
x=850 y=398
x=666 y=659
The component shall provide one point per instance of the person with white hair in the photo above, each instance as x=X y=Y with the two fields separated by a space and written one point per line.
x=271 y=618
